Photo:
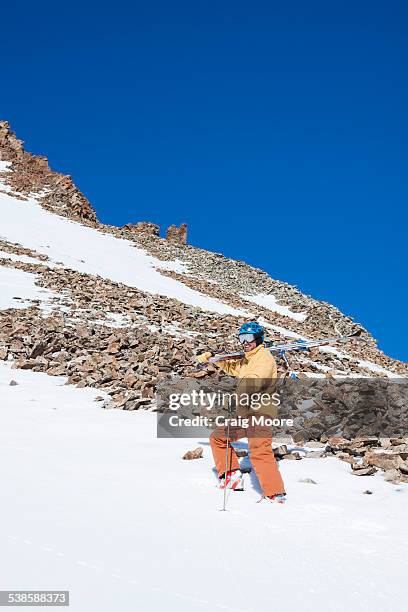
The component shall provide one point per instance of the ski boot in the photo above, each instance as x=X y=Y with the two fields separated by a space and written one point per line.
x=233 y=480
x=279 y=498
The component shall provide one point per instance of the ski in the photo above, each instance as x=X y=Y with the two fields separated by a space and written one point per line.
x=298 y=345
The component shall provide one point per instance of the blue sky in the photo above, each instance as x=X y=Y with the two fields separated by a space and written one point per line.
x=277 y=131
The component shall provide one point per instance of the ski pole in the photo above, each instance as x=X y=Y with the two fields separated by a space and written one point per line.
x=226 y=469
x=292 y=375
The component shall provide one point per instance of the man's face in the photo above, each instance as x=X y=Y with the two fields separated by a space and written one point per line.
x=247 y=341
x=248 y=346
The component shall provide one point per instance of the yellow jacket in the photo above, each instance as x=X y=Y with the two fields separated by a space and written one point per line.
x=257 y=363
x=257 y=373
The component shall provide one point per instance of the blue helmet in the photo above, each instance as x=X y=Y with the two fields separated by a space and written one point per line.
x=252 y=328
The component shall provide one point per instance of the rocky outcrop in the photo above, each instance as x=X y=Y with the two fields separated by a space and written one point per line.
x=31 y=174
x=143 y=229
x=368 y=455
x=365 y=455
x=177 y=235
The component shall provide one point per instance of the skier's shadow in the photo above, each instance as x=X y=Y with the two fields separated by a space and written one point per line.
x=245 y=464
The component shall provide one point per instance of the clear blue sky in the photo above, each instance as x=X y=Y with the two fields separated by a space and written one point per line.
x=277 y=130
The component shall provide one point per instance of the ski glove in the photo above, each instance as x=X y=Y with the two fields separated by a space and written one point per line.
x=203 y=358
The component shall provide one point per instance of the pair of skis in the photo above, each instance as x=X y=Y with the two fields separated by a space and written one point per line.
x=298 y=345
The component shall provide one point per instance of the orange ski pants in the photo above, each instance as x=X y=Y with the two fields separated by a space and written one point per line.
x=260 y=453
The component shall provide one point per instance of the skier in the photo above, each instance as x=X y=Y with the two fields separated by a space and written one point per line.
x=257 y=364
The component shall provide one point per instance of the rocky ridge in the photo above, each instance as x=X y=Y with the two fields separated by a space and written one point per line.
x=31 y=174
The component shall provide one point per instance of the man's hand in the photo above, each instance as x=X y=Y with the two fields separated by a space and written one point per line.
x=203 y=358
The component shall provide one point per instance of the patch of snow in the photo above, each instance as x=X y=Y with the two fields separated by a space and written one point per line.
x=17 y=288
x=376 y=368
x=5 y=166
x=101 y=502
x=176 y=330
x=6 y=189
x=281 y=330
x=334 y=351
x=310 y=362
x=115 y=319
x=269 y=301
x=24 y=259
x=369 y=365
x=173 y=329
x=174 y=266
x=86 y=250
x=313 y=375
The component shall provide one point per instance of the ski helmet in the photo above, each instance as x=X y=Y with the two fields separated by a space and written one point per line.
x=253 y=328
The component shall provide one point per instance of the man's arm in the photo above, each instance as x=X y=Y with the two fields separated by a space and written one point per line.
x=231 y=367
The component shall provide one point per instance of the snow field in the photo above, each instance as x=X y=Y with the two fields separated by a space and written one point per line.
x=93 y=502
x=86 y=250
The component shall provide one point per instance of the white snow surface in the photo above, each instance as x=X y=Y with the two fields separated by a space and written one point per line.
x=87 y=250
x=17 y=288
x=23 y=259
x=94 y=503
x=269 y=301
x=5 y=166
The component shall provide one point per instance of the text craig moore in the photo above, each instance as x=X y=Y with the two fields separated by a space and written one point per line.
x=222 y=421
x=221 y=399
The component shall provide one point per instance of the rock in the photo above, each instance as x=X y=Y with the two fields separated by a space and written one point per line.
x=392 y=475
x=38 y=350
x=385 y=461
x=346 y=457
x=134 y=403
x=367 y=492
x=177 y=235
x=361 y=470
x=397 y=441
x=307 y=480
x=338 y=443
x=197 y=453
x=143 y=229
x=13 y=383
x=33 y=174
x=291 y=456
x=368 y=441
x=404 y=467
x=280 y=451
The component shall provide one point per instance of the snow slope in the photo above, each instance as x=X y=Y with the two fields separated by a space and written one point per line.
x=270 y=302
x=94 y=503
x=86 y=250
x=17 y=288
x=5 y=166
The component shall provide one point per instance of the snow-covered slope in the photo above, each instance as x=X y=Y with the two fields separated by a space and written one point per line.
x=71 y=245
x=18 y=288
x=85 y=249
x=270 y=302
x=45 y=217
x=91 y=500
x=94 y=503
